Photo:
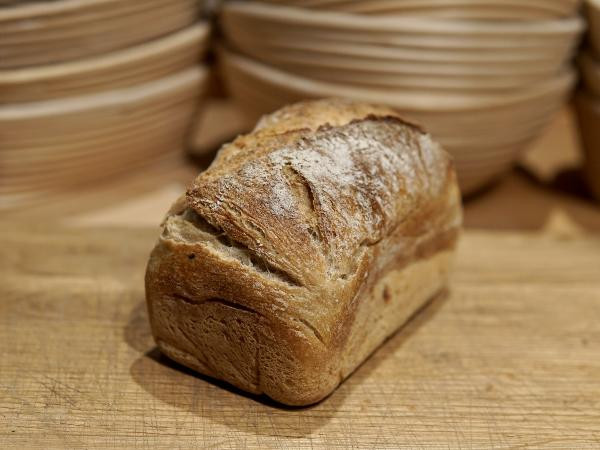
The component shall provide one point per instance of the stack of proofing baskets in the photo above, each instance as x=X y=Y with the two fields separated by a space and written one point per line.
x=588 y=98
x=89 y=88
x=483 y=76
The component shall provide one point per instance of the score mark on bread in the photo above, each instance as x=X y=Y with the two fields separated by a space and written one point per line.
x=298 y=230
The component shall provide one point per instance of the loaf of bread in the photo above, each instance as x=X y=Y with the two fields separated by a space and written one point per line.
x=304 y=246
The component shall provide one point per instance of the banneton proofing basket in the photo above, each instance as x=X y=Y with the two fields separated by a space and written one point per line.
x=401 y=30
x=473 y=128
x=463 y=9
x=60 y=143
x=407 y=70
x=412 y=50
x=121 y=68
x=419 y=54
x=61 y=30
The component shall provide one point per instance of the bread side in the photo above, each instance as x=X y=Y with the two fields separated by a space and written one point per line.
x=302 y=248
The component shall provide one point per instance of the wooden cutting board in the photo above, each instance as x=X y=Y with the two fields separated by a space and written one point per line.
x=510 y=359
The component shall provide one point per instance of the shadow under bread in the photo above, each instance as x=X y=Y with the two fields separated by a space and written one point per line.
x=227 y=405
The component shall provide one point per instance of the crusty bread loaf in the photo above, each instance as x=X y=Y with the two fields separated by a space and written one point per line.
x=302 y=248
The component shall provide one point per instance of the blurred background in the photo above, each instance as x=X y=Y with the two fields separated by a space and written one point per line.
x=109 y=108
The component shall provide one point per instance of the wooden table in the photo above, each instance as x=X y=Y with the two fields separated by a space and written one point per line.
x=509 y=359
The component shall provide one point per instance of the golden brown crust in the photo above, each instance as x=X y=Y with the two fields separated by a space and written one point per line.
x=265 y=269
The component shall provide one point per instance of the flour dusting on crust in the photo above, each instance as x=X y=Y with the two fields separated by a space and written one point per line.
x=357 y=179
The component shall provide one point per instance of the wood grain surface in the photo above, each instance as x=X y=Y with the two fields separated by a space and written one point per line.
x=509 y=359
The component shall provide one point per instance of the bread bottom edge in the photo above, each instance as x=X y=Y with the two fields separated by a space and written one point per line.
x=393 y=300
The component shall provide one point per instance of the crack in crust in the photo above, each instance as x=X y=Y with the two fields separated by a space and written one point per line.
x=222 y=301
x=243 y=252
x=238 y=306
x=306 y=198
x=312 y=328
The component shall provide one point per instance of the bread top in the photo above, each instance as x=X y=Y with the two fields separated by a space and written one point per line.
x=303 y=214
x=317 y=113
x=315 y=182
